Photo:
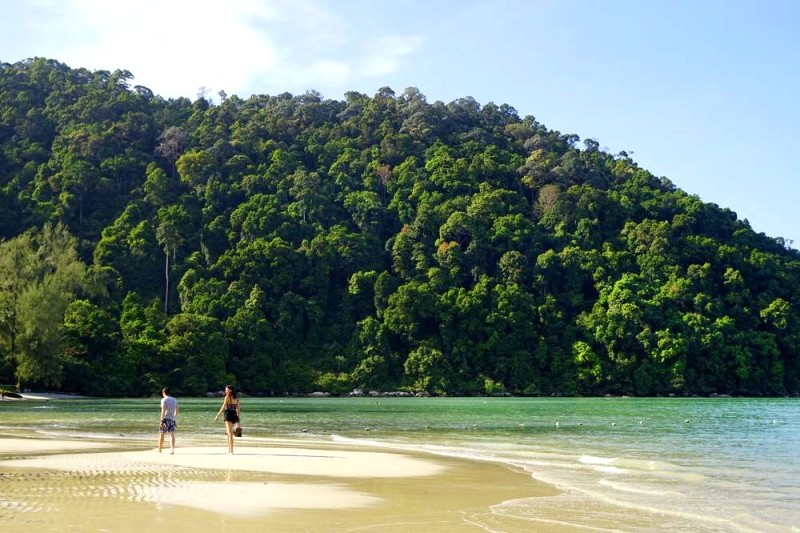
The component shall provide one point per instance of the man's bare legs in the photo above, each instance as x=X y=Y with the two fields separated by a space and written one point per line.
x=161 y=442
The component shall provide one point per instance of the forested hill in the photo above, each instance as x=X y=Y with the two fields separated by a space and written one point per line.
x=296 y=243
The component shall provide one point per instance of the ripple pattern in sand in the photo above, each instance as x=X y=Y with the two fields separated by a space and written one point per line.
x=32 y=498
x=93 y=484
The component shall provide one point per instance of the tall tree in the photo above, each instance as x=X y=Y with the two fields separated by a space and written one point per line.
x=172 y=224
x=43 y=274
x=17 y=267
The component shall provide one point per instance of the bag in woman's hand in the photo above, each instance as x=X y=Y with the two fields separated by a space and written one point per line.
x=237 y=430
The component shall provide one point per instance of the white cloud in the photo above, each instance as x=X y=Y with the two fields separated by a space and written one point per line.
x=175 y=47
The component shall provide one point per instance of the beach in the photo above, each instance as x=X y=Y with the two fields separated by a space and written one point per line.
x=404 y=465
x=70 y=485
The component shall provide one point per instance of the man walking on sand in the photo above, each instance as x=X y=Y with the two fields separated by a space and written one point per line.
x=169 y=414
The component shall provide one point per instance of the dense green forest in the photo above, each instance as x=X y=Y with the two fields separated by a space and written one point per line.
x=295 y=243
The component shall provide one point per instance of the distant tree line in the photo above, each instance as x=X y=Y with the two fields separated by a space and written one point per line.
x=295 y=243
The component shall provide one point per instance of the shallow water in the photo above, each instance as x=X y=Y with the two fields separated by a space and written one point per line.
x=624 y=464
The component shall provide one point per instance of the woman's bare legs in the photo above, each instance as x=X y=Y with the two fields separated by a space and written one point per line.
x=229 y=434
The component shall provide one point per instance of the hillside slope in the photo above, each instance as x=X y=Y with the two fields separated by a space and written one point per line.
x=294 y=243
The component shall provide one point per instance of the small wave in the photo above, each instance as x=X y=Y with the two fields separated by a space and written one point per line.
x=363 y=442
x=593 y=460
x=622 y=487
x=639 y=466
x=609 y=469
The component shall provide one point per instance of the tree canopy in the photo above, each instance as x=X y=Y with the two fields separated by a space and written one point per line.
x=290 y=243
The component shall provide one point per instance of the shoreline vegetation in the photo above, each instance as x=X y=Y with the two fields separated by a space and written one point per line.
x=358 y=393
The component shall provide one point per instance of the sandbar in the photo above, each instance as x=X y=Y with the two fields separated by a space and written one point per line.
x=276 y=488
x=42 y=396
x=291 y=461
x=25 y=446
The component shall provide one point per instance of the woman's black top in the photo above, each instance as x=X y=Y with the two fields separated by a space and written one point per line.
x=230 y=413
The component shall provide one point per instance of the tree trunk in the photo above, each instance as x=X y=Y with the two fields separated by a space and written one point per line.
x=166 y=277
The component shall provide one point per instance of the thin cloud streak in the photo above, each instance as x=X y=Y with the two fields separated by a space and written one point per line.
x=387 y=55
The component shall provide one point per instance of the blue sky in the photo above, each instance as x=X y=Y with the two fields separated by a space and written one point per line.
x=704 y=92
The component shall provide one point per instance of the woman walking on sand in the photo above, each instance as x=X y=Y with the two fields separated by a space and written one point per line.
x=230 y=406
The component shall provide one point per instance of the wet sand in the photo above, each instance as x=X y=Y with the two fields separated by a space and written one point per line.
x=41 y=396
x=29 y=446
x=101 y=487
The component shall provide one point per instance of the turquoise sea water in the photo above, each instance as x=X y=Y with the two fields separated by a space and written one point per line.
x=630 y=464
